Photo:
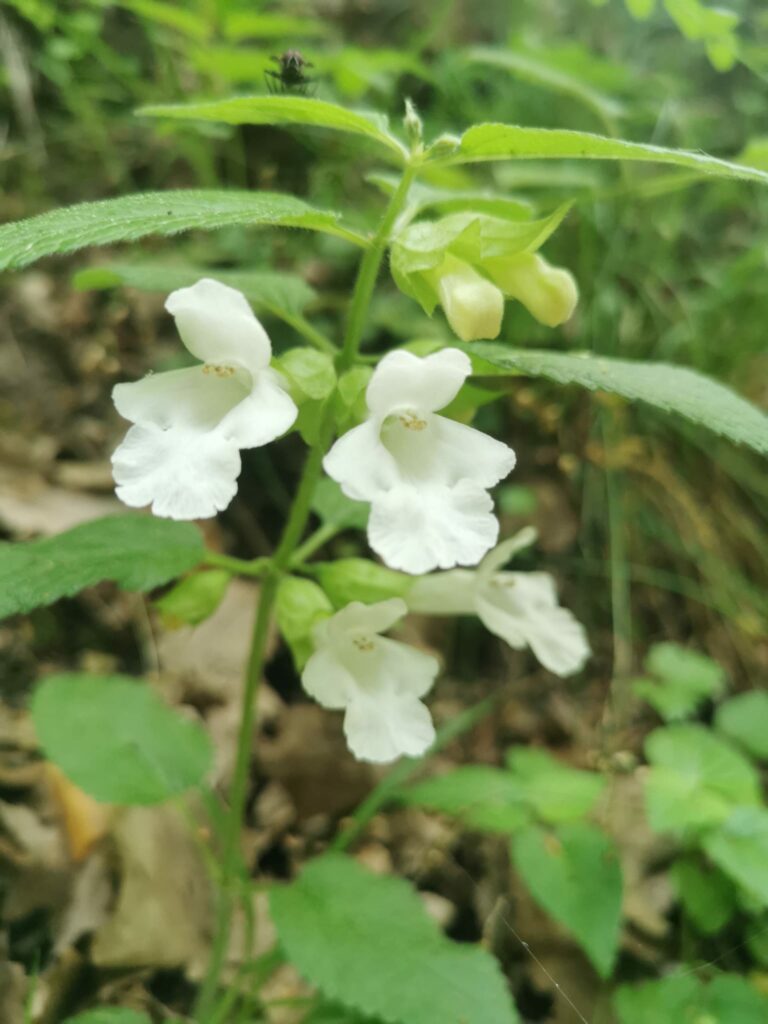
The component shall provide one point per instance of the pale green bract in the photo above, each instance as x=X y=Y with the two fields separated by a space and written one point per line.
x=673 y=389
x=156 y=213
x=136 y=552
x=296 y=110
x=367 y=943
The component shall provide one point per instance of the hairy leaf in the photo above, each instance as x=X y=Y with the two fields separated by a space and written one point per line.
x=154 y=213
x=298 y=110
x=136 y=552
x=367 y=943
x=116 y=740
x=671 y=388
x=514 y=142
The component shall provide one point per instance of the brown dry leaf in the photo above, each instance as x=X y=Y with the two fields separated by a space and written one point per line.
x=30 y=506
x=13 y=993
x=37 y=860
x=163 y=916
x=85 y=820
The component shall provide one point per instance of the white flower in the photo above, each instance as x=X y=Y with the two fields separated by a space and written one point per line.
x=425 y=476
x=473 y=306
x=183 y=454
x=519 y=607
x=548 y=293
x=375 y=680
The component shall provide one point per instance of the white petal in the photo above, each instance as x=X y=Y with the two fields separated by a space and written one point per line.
x=420 y=529
x=360 y=619
x=505 y=551
x=190 y=398
x=407 y=382
x=522 y=609
x=443 y=593
x=218 y=326
x=410 y=670
x=266 y=413
x=327 y=680
x=183 y=474
x=380 y=729
x=469 y=454
x=360 y=463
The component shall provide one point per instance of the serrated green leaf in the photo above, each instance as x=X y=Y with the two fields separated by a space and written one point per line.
x=696 y=779
x=195 y=598
x=671 y=388
x=684 y=999
x=136 y=552
x=745 y=720
x=513 y=142
x=155 y=213
x=367 y=943
x=296 y=110
x=482 y=797
x=555 y=791
x=357 y=579
x=574 y=873
x=739 y=847
x=116 y=740
x=277 y=293
x=334 y=508
x=706 y=894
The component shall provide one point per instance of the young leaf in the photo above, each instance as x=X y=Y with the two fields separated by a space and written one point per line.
x=278 y=293
x=310 y=371
x=136 y=552
x=574 y=873
x=116 y=740
x=357 y=579
x=482 y=797
x=745 y=720
x=155 y=213
x=513 y=142
x=696 y=779
x=367 y=943
x=739 y=847
x=670 y=388
x=298 y=110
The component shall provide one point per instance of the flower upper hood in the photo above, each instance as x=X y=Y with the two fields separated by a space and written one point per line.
x=182 y=454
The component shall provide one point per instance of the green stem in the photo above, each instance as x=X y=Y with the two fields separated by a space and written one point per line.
x=272 y=573
x=237 y=566
x=310 y=333
x=316 y=540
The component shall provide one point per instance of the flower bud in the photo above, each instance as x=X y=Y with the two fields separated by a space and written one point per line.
x=548 y=293
x=473 y=305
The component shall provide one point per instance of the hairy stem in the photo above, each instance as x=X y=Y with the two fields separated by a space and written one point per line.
x=272 y=573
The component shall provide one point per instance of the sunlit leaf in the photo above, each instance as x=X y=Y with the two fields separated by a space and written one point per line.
x=745 y=720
